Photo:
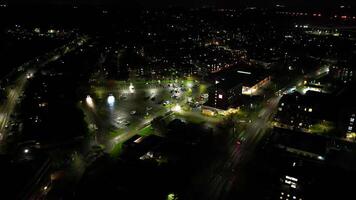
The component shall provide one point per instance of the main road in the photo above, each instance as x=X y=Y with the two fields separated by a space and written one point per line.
x=225 y=173
x=228 y=172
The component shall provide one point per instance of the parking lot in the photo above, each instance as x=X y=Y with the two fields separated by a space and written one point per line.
x=126 y=107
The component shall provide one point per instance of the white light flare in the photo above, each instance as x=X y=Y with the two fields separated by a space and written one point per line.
x=89 y=101
x=111 y=100
x=177 y=108
x=131 y=88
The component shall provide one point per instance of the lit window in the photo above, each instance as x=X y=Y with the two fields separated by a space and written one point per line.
x=310 y=110
x=220 y=96
x=352 y=119
x=350 y=128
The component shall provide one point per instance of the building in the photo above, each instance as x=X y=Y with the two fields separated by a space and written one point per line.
x=347 y=123
x=231 y=86
x=297 y=111
x=343 y=72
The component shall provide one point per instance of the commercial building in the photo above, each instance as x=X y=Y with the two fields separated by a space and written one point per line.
x=230 y=86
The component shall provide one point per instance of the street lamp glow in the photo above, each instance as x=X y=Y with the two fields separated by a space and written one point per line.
x=26 y=151
x=111 y=100
x=131 y=88
x=153 y=91
x=321 y=158
x=89 y=101
x=177 y=108
x=189 y=84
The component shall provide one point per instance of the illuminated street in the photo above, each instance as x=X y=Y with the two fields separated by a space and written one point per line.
x=177 y=100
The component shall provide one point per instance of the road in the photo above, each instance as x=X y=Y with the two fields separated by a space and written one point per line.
x=225 y=173
x=27 y=70
x=228 y=172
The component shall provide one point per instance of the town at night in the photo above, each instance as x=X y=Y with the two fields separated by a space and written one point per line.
x=177 y=100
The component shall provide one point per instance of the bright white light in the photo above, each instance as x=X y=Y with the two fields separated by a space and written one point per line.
x=153 y=91
x=29 y=75
x=292 y=178
x=26 y=151
x=248 y=90
x=177 y=108
x=131 y=88
x=220 y=96
x=89 y=101
x=189 y=84
x=244 y=72
x=111 y=100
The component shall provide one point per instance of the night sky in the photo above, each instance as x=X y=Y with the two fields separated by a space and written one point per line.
x=196 y=3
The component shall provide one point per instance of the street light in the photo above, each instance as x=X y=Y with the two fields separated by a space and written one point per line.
x=111 y=100
x=153 y=91
x=89 y=101
x=189 y=84
x=177 y=108
x=131 y=88
x=26 y=151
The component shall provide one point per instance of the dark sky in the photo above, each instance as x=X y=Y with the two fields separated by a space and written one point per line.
x=196 y=3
